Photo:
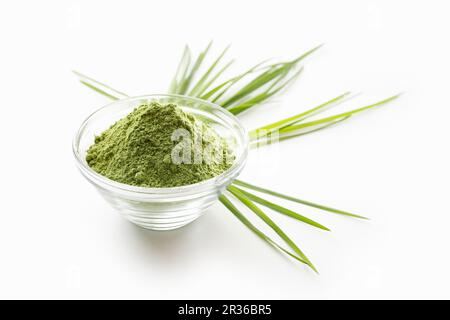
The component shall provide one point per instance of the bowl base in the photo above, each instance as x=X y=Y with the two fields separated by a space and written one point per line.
x=160 y=223
x=157 y=225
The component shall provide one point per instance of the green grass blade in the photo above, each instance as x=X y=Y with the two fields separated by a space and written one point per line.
x=336 y=117
x=257 y=83
x=100 y=87
x=273 y=73
x=235 y=211
x=212 y=92
x=267 y=129
x=291 y=135
x=250 y=103
x=282 y=210
x=108 y=95
x=213 y=79
x=182 y=71
x=307 y=53
x=231 y=82
x=202 y=84
x=249 y=204
x=266 y=139
x=187 y=79
x=264 y=96
x=260 y=135
x=277 y=85
x=304 y=202
x=222 y=88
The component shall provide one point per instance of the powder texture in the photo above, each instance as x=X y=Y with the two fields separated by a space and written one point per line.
x=139 y=149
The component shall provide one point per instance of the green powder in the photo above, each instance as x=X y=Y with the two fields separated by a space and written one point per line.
x=159 y=146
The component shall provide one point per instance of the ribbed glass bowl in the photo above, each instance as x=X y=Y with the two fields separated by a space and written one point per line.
x=162 y=208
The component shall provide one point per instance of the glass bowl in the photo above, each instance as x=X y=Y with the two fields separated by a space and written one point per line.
x=162 y=208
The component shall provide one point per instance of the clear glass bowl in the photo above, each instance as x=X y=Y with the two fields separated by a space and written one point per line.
x=162 y=208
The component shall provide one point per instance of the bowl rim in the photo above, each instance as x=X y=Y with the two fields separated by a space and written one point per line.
x=198 y=187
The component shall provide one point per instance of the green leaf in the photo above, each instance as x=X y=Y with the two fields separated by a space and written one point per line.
x=307 y=203
x=203 y=83
x=291 y=128
x=287 y=131
x=307 y=53
x=265 y=78
x=262 y=97
x=247 y=202
x=187 y=79
x=267 y=129
x=229 y=205
x=269 y=139
x=222 y=88
x=273 y=73
x=182 y=71
x=108 y=95
x=100 y=87
x=282 y=210
x=214 y=78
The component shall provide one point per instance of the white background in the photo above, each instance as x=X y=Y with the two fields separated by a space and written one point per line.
x=59 y=239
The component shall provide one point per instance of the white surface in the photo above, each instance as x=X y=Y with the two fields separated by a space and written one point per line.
x=59 y=239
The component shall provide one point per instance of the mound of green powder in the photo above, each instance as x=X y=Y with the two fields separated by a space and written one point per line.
x=159 y=146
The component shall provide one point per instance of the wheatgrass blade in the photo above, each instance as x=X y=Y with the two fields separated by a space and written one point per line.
x=290 y=198
x=265 y=139
x=307 y=53
x=296 y=118
x=213 y=79
x=286 y=136
x=204 y=83
x=272 y=74
x=186 y=81
x=296 y=127
x=282 y=210
x=249 y=204
x=262 y=97
x=100 y=87
x=238 y=214
x=182 y=71
x=215 y=93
